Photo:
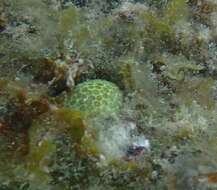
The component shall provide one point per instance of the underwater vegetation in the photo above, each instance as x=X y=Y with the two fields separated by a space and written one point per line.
x=99 y=94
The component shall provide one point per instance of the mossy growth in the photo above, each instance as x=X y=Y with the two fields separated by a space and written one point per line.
x=45 y=134
x=95 y=97
x=196 y=89
x=176 y=10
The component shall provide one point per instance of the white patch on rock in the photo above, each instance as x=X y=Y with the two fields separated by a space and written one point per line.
x=115 y=138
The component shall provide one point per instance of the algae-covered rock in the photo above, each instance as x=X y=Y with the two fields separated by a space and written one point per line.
x=162 y=53
x=95 y=97
x=176 y=10
x=198 y=90
x=45 y=135
x=175 y=68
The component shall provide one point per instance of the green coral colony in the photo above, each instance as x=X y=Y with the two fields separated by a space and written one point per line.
x=95 y=97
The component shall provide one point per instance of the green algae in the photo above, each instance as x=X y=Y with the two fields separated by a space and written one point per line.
x=163 y=70
x=178 y=67
x=197 y=89
x=68 y=18
x=39 y=159
x=72 y=25
x=45 y=134
x=176 y=10
x=126 y=71
x=74 y=120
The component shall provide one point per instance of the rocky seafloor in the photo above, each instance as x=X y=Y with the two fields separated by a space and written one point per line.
x=150 y=122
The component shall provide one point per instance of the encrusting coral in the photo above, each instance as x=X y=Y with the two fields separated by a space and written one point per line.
x=95 y=97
